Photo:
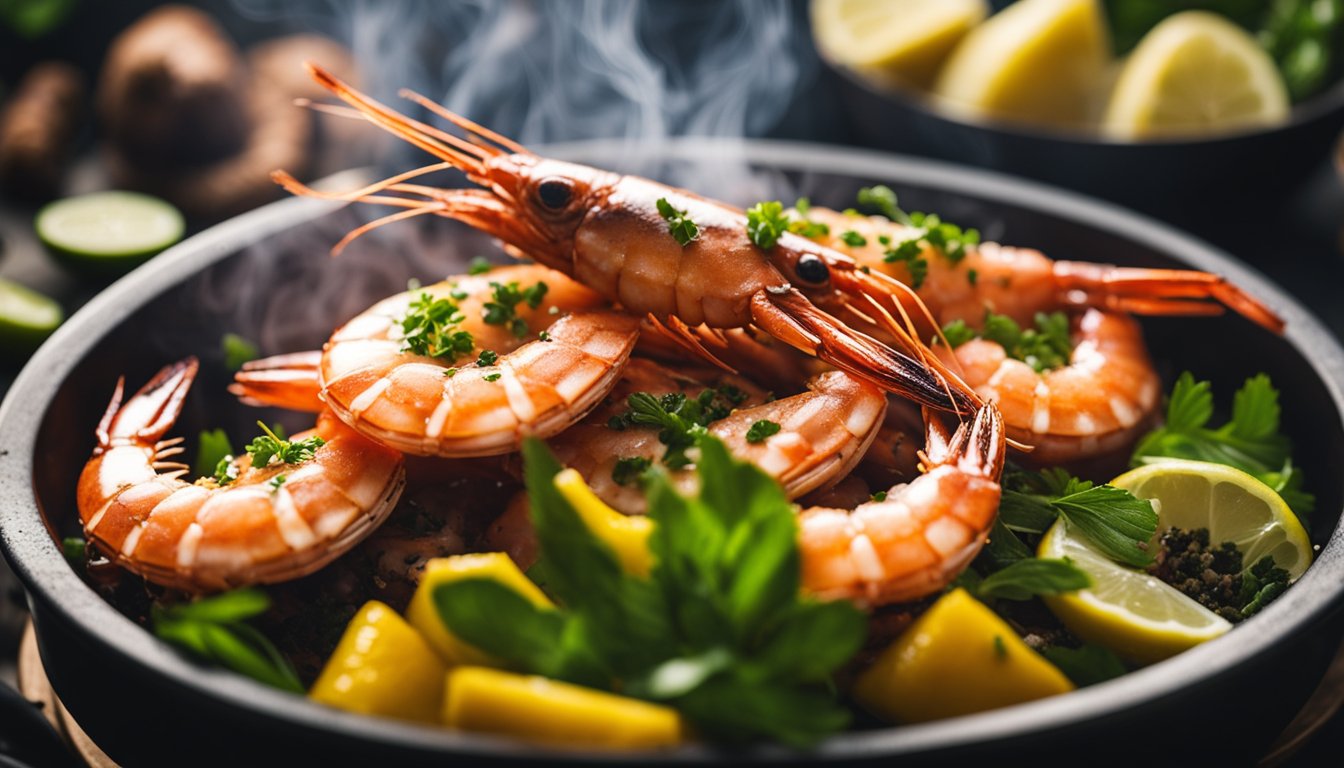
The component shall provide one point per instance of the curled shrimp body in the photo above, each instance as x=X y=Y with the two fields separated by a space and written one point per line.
x=823 y=432
x=606 y=231
x=271 y=524
x=922 y=534
x=1098 y=403
x=538 y=382
x=1019 y=282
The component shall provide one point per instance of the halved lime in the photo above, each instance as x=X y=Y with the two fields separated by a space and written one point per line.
x=108 y=232
x=26 y=317
x=1137 y=615
x=1196 y=73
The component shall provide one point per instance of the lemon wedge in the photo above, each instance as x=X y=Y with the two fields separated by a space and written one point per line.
x=896 y=41
x=1137 y=615
x=1037 y=61
x=1195 y=73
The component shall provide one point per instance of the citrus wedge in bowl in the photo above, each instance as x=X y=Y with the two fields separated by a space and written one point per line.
x=1136 y=614
x=897 y=41
x=1195 y=74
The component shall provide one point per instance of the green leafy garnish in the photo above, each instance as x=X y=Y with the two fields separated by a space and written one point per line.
x=1088 y=665
x=1045 y=347
x=212 y=446
x=1261 y=584
x=853 y=239
x=237 y=351
x=492 y=376
x=271 y=446
x=430 y=328
x=213 y=628
x=275 y=482
x=678 y=418
x=1112 y=519
x=930 y=232
x=679 y=223
x=761 y=430
x=1250 y=441
x=883 y=200
x=629 y=469
x=75 y=549
x=226 y=470
x=502 y=309
x=1028 y=578
x=479 y=266
x=1304 y=37
x=719 y=629
x=766 y=222
x=879 y=496
x=805 y=226
x=487 y=358
x=910 y=253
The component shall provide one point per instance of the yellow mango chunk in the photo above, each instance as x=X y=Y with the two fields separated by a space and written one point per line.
x=627 y=535
x=956 y=659
x=382 y=667
x=444 y=570
x=546 y=711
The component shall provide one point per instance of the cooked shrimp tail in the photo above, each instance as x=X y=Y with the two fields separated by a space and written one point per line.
x=151 y=412
x=1160 y=292
x=914 y=541
x=287 y=381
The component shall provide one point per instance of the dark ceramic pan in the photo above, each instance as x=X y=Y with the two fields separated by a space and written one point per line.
x=267 y=275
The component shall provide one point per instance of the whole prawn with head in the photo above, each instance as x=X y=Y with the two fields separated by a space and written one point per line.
x=613 y=233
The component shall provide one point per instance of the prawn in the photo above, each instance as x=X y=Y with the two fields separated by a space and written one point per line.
x=915 y=540
x=823 y=431
x=606 y=231
x=272 y=523
x=1020 y=282
x=568 y=356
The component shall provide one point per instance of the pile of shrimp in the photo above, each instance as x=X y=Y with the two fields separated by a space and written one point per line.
x=892 y=446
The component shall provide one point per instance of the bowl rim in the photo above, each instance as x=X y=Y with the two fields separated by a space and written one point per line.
x=32 y=552
x=1318 y=106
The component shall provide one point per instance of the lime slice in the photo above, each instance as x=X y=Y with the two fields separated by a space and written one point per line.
x=1196 y=73
x=26 y=317
x=1233 y=505
x=108 y=232
x=898 y=41
x=1036 y=61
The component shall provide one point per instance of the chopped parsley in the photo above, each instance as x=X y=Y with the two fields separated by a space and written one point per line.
x=492 y=376
x=766 y=222
x=75 y=549
x=679 y=223
x=1045 y=347
x=487 y=358
x=502 y=308
x=761 y=430
x=226 y=471
x=931 y=231
x=629 y=469
x=680 y=419
x=272 y=446
x=879 y=496
x=430 y=328
x=450 y=372
x=853 y=239
x=479 y=266
x=1214 y=576
x=1250 y=440
x=719 y=629
x=910 y=253
x=805 y=226
x=276 y=482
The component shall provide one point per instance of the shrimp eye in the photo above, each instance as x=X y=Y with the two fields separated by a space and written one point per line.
x=554 y=193
x=811 y=269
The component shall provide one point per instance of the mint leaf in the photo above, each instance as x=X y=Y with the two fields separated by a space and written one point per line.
x=1026 y=579
x=1113 y=520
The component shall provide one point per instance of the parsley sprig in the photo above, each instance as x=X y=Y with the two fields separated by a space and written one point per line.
x=1112 y=519
x=767 y=221
x=1044 y=347
x=502 y=308
x=719 y=628
x=1250 y=440
x=679 y=222
x=215 y=629
x=430 y=328
x=930 y=232
x=680 y=419
x=270 y=446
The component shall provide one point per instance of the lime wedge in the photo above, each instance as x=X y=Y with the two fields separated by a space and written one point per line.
x=26 y=317
x=1196 y=73
x=1137 y=615
x=108 y=232
x=1036 y=61
x=899 y=41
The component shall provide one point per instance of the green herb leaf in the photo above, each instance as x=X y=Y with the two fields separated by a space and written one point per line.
x=212 y=446
x=1046 y=346
x=430 y=328
x=1003 y=548
x=502 y=308
x=679 y=223
x=75 y=549
x=1026 y=579
x=881 y=199
x=212 y=628
x=270 y=445
x=766 y=222
x=1088 y=665
x=237 y=351
x=762 y=429
x=479 y=266
x=487 y=358
x=853 y=239
x=958 y=332
x=629 y=469
x=1113 y=520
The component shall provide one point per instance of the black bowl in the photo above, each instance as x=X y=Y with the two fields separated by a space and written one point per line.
x=1183 y=180
x=267 y=275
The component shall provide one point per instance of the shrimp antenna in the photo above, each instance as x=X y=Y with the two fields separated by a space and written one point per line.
x=473 y=128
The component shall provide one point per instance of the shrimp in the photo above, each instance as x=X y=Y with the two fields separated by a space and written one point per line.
x=272 y=523
x=1019 y=282
x=569 y=355
x=823 y=432
x=606 y=231
x=914 y=541
x=1099 y=403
